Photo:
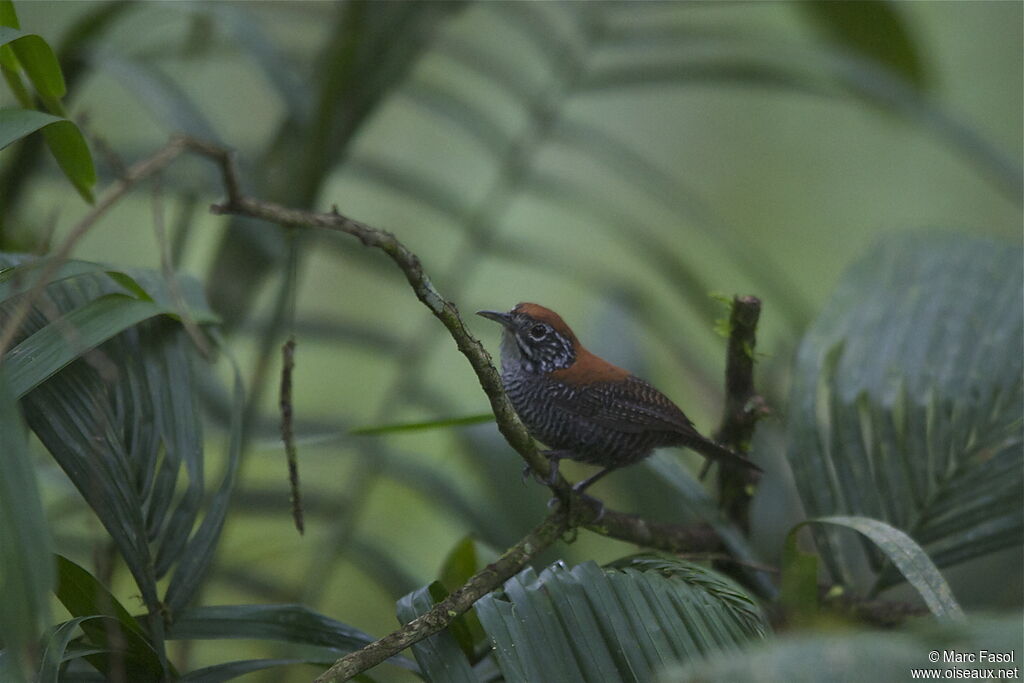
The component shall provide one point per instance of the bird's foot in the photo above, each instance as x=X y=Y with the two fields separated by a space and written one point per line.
x=553 y=457
x=587 y=500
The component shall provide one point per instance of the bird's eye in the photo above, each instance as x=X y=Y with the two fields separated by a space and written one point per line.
x=538 y=332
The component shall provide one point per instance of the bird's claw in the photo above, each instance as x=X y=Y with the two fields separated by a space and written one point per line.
x=552 y=475
x=589 y=500
x=529 y=472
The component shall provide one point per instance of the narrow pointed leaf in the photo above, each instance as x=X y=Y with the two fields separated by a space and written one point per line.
x=198 y=553
x=440 y=656
x=38 y=61
x=121 y=634
x=285 y=623
x=26 y=562
x=231 y=670
x=64 y=139
x=420 y=426
x=916 y=567
x=56 y=646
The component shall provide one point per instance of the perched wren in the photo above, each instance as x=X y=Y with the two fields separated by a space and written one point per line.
x=583 y=407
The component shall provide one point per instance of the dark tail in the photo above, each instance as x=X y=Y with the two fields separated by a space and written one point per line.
x=719 y=453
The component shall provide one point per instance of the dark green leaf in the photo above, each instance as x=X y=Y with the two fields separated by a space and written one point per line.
x=18 y=123
x=287 y=623
x=624 y=623
x=56 y=650
x=128 y=435
x=874 y=29
x=230 y=670
x=26 y=562
x=461 y=563
x=20 y=276
x=177 y=424
x=908 y=557
x=128 y=644
x=8 y=17
x=63 y=138
x=907 y=397
x=38 y=60
x=44 y=353
x=199 y=552
x=440 y=657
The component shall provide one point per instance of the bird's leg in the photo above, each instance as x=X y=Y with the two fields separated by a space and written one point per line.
x=553 y=457
x=597 y=504
x=704 y=469
x=580 y=486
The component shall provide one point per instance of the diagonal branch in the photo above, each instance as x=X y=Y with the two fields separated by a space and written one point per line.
x=508 y=422
x=574 y=510
x=442 y=614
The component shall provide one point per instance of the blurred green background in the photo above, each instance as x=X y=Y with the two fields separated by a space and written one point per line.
x=619 y=163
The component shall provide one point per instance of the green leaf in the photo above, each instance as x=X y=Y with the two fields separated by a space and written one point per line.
x=64 y=139
x=230 y=670
x=798 y=594
x=18 y=123
x=18 y=273
x=56 y=647
x=128 y=435
x=888 y=655
x=38 y=60
x=26 y=562
x=907 y=556
x=8 y=16
x=420 y=426
x=462 y=562
x=53 y=347
x=121 y=635
x=907 y=399
x=286 y=623
x=198 y=553
x=623 y=623
x=441 y=658
x=874 y=29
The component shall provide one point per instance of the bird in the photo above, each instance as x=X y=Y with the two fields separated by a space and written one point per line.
x=584 y=408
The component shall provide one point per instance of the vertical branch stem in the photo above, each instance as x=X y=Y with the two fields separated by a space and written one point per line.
x=743 y=408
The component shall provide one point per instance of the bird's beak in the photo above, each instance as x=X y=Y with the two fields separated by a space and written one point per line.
x=504 y=318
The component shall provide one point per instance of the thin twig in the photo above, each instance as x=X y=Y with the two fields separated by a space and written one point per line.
x=288 y=430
